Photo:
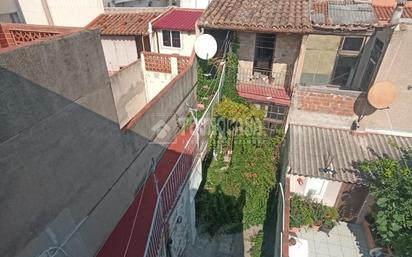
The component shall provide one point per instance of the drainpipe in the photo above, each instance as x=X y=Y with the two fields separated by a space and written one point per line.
x=150 y=31
x=397 y=14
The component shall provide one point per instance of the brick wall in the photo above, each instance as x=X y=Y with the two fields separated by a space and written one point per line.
x=326 y=100
x=182 y=63
x=157 y=62
x=163 y=62
x=12 y=34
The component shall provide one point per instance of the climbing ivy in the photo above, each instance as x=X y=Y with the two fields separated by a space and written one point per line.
x=229 y=89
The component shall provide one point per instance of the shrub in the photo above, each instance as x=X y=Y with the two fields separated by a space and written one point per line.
x=306 y=212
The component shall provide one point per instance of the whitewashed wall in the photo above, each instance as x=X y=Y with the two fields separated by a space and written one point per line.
x=187 y=43
x=73 y=13
x=119 y=51
x=330 y=195
x=76 y=13
x=33 y=12
x=129 y=92
x=155 y=82
x=202 y=4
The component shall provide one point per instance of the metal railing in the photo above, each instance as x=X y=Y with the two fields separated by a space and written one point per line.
x=168 y=195
x=264 y=78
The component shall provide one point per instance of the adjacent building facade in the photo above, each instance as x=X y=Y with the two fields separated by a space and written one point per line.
x=73 y=13
x=331 y=123
x=124 y=35
x=268 y=46
x=175 y=31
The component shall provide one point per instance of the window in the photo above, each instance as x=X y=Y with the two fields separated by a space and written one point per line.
x=347 y=60
x=264 y=49
x=344 y=70
x=352 y=44
x=276 y=112
x=171 y=38
x=271 y=127
x=275 y=118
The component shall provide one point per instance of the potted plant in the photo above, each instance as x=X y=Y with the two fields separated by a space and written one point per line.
x=330 y=219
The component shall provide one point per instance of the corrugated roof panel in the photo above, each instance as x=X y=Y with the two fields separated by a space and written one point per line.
x=179 y=19
x=311 y=146
x=345 y=14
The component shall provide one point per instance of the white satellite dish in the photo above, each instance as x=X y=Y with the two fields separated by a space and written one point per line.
x=205 y=46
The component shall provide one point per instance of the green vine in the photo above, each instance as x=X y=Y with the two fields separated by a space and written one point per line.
x=232 y=62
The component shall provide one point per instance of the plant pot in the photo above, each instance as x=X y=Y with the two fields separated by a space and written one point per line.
x=316 y=227
x=200 y=107
x=294 y=230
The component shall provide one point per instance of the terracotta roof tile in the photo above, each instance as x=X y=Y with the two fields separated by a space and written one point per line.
x=178 y=19
x=384 y=9
x=265 y=94
x=123 y=23
x=258 y=15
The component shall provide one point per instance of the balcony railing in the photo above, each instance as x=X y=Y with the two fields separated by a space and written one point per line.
x=265 y=78
x=168 y=195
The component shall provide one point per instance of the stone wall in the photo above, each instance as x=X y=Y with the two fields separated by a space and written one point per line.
x=285 y=54
x=246 y=51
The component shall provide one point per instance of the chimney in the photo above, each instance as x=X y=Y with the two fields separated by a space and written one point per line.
x=397 y=14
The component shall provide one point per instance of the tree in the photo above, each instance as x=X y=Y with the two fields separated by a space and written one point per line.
x=390 y=183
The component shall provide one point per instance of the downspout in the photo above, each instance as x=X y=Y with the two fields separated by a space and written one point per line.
x=150 y=30
x=46 y=10
x=157 y=41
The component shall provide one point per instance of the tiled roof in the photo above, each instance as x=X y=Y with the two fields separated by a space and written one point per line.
x=345 y=15
x=264 y=94
x=178 y=19
x=384 y=9
x=258 y=15
x=123 y=23
x=312 y=147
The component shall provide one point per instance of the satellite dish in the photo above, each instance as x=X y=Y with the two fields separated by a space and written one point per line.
x=382 y=94
x=205 y=46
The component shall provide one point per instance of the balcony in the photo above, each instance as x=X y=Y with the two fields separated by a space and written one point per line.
x=263 y=85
